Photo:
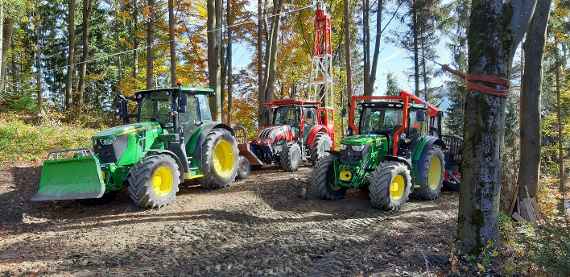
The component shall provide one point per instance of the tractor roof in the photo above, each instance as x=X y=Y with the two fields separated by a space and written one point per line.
x=189 y=90
x=290 y=102
x=403 y=98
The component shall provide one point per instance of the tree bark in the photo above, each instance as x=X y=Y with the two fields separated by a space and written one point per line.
x=416 y=48
x=347 y=52
x=495 y=31
x=229 y=21
x=38 y=55
x=529 y=162
x=259 y=49
x=271 y=55
x=372 y=75
x=558 y=73
x=149 y=43
x=366 y=44
x=171 y=37
x=135 y=40
x=70 y=54
x=213 y=57
x=85 y=42
x=8 y=28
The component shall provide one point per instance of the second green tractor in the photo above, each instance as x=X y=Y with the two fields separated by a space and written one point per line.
x=395 y=151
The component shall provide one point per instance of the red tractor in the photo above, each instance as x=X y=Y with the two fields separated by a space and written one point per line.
x=301 y=131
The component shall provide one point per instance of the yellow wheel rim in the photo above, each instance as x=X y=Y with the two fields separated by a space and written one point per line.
x=397 y=187
x=434 y=173
x=223 y=158
x=345 y=175
x=162 y=180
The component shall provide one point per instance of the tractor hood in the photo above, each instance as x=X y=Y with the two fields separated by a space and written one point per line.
x=274 y=134
x=127 y=129
x=362 y=139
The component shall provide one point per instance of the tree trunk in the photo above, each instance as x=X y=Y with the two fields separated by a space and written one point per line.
x=38 y=64
x=8 y=27
x=424 y=73
x=2 y=78
x=70 y=54
x=259 y=49
x=495 y=31
x=271 y=55
x=135 y=40
x=562 y=188
x=213 y=58
x=372 y=75
x=218 y=114
x=149 y=43
x=347 y=52
x=171 y=37
x=416 y=58
x=529 y=162
x=229 y=61
x=85 y=56
x=366 y=44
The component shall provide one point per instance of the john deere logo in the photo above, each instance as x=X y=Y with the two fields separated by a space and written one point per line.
x=345 y=175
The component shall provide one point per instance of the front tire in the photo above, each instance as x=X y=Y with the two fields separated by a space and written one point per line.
x=219 y=159
x=321 y=147
x=322 y=180
x=153 y=183
x=390 y=186
x=244 y=168
x=430 y=170
x=291 y=157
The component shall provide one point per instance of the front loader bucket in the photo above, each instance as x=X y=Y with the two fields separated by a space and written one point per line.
x=79 y=177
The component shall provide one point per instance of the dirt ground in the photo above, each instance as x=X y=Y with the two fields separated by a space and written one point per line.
x=260 y=226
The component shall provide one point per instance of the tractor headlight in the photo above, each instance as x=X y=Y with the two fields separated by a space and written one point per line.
x=358 y=147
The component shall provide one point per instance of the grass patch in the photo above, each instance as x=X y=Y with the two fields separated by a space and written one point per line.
x=21 y=141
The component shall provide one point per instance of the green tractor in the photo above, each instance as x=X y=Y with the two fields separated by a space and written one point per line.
x=174 y=139
x=397 y=151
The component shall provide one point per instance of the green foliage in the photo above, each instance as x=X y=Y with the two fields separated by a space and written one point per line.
x=21 y=141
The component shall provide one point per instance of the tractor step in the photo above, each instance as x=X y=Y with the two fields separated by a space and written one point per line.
x=78 y=177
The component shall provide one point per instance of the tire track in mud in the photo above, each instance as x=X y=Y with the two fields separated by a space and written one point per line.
x=259 y=226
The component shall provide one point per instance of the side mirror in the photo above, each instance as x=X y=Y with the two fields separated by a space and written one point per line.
x=122 y=109
x=420 y=116
x=182 y=103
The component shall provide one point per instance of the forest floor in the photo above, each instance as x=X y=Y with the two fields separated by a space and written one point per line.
x=259 y=226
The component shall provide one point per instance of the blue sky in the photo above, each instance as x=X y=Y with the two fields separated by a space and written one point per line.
x=393 y=59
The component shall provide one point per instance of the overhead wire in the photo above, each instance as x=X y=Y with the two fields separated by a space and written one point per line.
x=284 y=13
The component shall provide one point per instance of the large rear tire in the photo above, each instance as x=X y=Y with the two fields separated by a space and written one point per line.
x=430 y=169
x=322 y=181
x=153 y=183
x=390 y=186
x=220 y=158
x=320 y=148
x=291 y=157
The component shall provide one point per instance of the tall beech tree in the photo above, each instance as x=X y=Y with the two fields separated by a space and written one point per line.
x=70 y=53
x=496 y=29
x=529 y=162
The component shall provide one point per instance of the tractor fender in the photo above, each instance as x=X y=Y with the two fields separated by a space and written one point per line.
x=181 y=165
x=407 y=162
x=194 y=144
x=313 y=134
x=421 y=143
x=419 y=146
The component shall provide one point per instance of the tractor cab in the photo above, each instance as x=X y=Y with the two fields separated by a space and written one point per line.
x=403 y=119
x=300 y=117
